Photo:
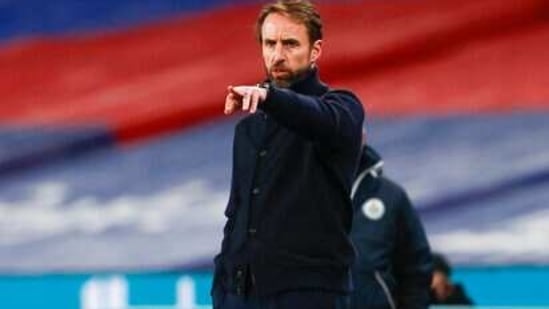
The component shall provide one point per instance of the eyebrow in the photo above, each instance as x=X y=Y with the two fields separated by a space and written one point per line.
x=284 y=41
x=290 y=41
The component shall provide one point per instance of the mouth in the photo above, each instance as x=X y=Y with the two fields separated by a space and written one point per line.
x=281 y=77
x=280 y=71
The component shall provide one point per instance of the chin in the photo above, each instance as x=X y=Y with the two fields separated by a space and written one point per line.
x=282 y=80
x=282 y=83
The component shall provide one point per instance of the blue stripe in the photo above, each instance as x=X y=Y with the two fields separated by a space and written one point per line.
x=26 y=148
x=35 y=17
x=473 y=196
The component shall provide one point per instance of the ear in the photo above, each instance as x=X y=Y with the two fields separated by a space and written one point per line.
x=316 y=50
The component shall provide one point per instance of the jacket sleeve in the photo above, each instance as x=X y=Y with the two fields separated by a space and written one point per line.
x=335 y=118
x=413 y=261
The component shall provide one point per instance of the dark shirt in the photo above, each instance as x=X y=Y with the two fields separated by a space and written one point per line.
x=289 y=212
x=394 y=265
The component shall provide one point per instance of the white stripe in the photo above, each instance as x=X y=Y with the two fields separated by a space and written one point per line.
x=385 y=290
x=373 y=170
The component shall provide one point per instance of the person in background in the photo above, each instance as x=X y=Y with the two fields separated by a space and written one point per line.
x=443 y=290
x=393 y=265
x=286 y=241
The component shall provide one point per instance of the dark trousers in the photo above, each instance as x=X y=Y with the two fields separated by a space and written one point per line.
x=300 y=299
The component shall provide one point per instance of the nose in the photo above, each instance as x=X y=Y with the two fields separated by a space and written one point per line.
x=278 y=54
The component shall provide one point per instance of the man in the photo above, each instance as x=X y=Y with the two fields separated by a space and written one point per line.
x=393 y=268
x=286 y=241
x=443 y=290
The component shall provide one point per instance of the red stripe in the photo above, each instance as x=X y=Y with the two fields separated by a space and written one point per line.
x=401 y=58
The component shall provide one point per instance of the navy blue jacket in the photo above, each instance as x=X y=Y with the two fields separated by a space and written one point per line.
x=394 y=264
x=289 y=212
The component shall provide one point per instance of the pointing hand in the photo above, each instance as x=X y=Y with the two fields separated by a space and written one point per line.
x=245 y=97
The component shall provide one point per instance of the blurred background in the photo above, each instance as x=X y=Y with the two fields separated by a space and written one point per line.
x=115 y=155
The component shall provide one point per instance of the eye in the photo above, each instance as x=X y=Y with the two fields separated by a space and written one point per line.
x=291 y=43
x=269 y=43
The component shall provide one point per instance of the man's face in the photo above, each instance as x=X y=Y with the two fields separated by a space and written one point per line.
x=287 y=52
x=440 y=286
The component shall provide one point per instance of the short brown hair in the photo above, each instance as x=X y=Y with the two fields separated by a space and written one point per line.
x=301 y=11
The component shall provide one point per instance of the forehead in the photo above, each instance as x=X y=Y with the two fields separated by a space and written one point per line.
x=281 y=26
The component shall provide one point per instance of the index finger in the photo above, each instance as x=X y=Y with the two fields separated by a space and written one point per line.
x=239 y=91
x=230 y=103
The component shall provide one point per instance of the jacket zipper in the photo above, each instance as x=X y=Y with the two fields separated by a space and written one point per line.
x=372 y=170
x=385 y=289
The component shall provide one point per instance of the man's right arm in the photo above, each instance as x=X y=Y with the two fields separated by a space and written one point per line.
x=335 y=118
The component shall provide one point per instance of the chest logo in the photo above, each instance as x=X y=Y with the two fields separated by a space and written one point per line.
x=373 y=209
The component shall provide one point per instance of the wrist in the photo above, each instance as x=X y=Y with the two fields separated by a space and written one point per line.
x=265 y=87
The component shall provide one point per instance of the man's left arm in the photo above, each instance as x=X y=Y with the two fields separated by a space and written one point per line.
x=412 y=261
